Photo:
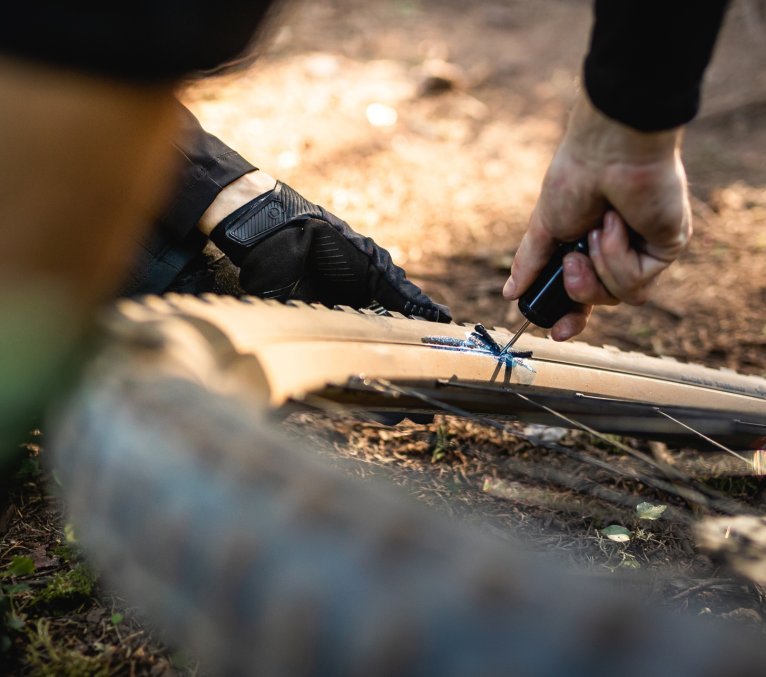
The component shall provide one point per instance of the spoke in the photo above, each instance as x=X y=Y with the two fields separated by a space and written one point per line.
x=703 y=436
x=712 y=498
x=670 y=480
x=665 y=469
x=381 y=385
x=750 y=423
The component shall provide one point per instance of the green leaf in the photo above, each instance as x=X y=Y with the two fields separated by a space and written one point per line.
x=647 y=511
x=616 y=533
x=117 y=618
x=20 y=566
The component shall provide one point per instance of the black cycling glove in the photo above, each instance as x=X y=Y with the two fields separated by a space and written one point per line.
x=288 y=248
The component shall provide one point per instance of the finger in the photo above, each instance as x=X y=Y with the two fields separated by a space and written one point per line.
x=582 y=284
x=571 y=324
x=625 y=272
x=661 y=213
x=536 y=248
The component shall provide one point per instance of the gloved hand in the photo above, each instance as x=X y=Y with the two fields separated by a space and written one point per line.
x=288 y=248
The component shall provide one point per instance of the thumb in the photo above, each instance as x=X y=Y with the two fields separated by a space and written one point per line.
x=535 y=249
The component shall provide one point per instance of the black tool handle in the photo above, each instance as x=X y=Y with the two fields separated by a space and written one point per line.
x=546 y=300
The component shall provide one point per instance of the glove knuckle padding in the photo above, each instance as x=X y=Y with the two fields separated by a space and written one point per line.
x=259 y=219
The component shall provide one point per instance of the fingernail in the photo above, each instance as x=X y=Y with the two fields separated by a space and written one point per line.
x=594 y=242
x=572 y=268
x=610 y=222
x=509 y=290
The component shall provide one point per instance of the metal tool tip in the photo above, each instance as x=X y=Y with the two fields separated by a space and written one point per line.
x=515 y=338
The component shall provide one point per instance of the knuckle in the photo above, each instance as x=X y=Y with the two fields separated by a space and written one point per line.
x=671 y=231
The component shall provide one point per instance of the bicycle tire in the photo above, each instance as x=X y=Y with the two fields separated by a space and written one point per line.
x=308 y=350
x=254 y=555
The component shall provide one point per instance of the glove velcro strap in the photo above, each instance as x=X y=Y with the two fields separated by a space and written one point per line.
x=259 y=218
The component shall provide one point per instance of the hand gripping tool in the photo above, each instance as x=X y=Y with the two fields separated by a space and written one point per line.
x=546 y=301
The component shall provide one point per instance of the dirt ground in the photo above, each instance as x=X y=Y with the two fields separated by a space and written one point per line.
x=428 y=124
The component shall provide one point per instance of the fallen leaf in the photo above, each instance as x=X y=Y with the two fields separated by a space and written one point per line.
x=616 y=533
x=647 y=511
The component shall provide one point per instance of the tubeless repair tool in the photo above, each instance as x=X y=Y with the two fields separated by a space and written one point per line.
x=546 y=301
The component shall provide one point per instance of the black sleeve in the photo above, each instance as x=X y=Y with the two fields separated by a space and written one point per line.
x=206 y=165
x=647 y=59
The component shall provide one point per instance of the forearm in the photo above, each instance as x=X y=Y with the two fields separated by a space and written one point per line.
x=603 y=140
x=647 y=59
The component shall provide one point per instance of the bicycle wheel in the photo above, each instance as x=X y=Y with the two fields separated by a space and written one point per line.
x=304 y=351
x=253 y=554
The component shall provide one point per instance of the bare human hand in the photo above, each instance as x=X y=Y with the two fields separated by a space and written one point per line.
x=628 y=190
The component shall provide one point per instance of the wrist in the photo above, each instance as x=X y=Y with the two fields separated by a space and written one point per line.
x=594 y=137
x=235 y=195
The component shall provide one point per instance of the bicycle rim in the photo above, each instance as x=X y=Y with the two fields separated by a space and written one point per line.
x=307 y=353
